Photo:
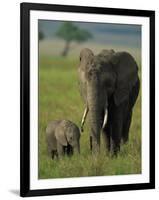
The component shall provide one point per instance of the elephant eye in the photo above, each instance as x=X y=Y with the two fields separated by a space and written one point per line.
x=80 y=58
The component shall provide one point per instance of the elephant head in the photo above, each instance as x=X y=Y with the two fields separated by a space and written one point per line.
x=106 y=81
x=68 y=135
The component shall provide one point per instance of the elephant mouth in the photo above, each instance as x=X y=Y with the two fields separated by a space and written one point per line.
x=85 y=115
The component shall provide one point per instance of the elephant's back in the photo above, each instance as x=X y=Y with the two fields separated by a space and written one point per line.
x=67 y=123
x=52 y=126
x=69 y=126
x=126 y=60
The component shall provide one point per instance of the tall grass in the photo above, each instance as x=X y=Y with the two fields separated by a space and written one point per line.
x=59 y=98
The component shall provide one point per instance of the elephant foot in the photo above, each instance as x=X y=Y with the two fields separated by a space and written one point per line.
x=54 y=154
x=114 y=148
x=114 y=151
x=106 y=141
x=69 y=150
x=125 y=140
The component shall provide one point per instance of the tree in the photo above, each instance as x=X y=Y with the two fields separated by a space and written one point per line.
x=70 y=32
x=41 y=35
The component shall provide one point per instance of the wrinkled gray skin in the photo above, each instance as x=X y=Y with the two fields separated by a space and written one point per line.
x=63 y=137
x=109 y=85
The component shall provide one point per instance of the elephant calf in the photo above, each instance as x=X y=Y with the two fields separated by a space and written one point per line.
x=63 y=138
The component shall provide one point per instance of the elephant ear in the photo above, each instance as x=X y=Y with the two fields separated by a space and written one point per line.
x=60 y=135
x=126 y=71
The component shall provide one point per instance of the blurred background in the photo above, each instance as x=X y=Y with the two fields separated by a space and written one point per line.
x=56 y=35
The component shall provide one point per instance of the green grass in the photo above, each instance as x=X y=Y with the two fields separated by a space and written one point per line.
x=59 y=98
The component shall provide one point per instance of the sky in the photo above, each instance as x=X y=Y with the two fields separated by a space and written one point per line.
x=111 y=34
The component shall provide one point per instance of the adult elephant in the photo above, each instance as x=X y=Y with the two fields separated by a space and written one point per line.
x=109 y=85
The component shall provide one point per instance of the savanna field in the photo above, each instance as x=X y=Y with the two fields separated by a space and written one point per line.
x=59 y=98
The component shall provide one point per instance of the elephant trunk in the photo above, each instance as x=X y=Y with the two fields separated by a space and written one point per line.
x=94 y=105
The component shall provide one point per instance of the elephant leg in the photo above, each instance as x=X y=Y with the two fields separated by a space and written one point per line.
x=65 y=150
x=116 y=129
x=51 y=151
x=60 y=149
x=126 y=125
x=69 y=150
x=54 y=154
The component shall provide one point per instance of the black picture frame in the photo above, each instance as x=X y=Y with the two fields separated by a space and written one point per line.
x=25 y=9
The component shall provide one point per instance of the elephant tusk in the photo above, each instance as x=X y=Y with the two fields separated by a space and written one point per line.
x=105 y=118
x=84 y=118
